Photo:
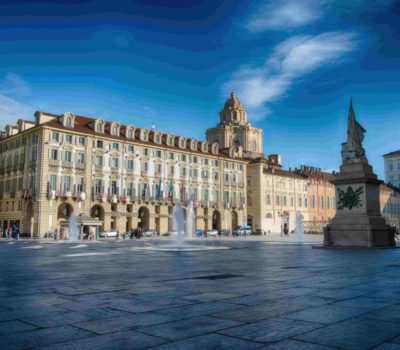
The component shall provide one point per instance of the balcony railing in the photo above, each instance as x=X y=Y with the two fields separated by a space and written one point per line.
x=80 y=166
x=66 y=164
x=28 y=193
x=53 y=162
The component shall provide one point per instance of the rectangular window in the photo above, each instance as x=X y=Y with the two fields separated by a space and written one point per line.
x=183 y=157
x=81 y=141
x=53 y=182
x=68 y=138
x=131 y=149
x=158 y=154
x=55 y=136
x=146 y=151
x=80 y=184
x=277 y=200
x=114 y=189
x=80 y=158
x=33 y=155
x=170 y=170
x=114 y=162
x=216 y=162
x=268 y=199
x=322 y=202
x=98 y=160
x=158 y=168
x=171 y=156
x=67 y=156
x=194 y=159
x=115 y=146
x=99 y=144
x=216 y=176
x=53 y=154
x=129 y=164
x=67 y=183
x=98 y=188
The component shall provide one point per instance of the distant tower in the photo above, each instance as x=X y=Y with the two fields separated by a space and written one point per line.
x=234 y=130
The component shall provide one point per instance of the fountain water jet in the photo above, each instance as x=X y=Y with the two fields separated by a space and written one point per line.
x=185 y=232
x=299 y=230
x=73 y=229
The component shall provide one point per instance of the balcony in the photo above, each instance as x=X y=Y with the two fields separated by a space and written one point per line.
x=144 y=173
x=28 y=193
x=66 y=164
x=98 y=168
x=80 y=166
x=66 y=193
x=114 y=170
x=53 y=162
x=99 y=196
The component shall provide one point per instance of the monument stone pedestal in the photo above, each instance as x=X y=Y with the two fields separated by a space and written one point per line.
x=358 y=221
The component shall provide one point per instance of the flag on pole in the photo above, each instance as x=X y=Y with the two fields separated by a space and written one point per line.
x=159 y=190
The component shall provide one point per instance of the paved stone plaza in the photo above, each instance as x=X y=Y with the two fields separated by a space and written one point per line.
x=258 y=294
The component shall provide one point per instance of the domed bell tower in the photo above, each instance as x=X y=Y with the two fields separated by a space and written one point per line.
x=234 y=130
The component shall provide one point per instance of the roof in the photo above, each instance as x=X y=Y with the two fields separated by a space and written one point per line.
x=283 y=173
x=82 y=125
x=314 y=173
x=389 y=186
x=232 y=103
x=395 y=153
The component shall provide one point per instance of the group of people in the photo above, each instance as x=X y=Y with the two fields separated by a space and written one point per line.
x=137 y=233
x=10 y=232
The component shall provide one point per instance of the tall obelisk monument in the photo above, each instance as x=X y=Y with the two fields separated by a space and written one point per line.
x=358 y=221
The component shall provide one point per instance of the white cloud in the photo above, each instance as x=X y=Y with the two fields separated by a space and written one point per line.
x=13 y=84
x=286 y=14
x=13 y=87
x=290 y=60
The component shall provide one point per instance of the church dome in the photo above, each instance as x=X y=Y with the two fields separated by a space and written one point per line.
x=233 y=103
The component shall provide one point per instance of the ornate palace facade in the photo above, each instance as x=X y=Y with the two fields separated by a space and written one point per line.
x=120 y=175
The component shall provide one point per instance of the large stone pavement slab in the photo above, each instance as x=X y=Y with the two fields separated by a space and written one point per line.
x=256 y=295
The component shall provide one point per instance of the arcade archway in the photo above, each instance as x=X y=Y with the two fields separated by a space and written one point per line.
x=143 y=218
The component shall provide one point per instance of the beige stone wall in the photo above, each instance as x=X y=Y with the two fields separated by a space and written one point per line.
x=269 y=214
x=40 y=212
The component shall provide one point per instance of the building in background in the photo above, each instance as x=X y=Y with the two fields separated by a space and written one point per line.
x=321 y=197
x=389 y=196
x=277 y=199
x=392 y=168
x=120 y=175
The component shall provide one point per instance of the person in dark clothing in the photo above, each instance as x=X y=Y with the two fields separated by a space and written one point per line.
x=14 y=231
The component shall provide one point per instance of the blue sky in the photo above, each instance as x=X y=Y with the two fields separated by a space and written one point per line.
x=172 y=64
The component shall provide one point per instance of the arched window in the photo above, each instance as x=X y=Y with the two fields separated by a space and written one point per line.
x=130 y=134
x=68 y=122
x=114 y=130
x=99 y=127
x=254 y=145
